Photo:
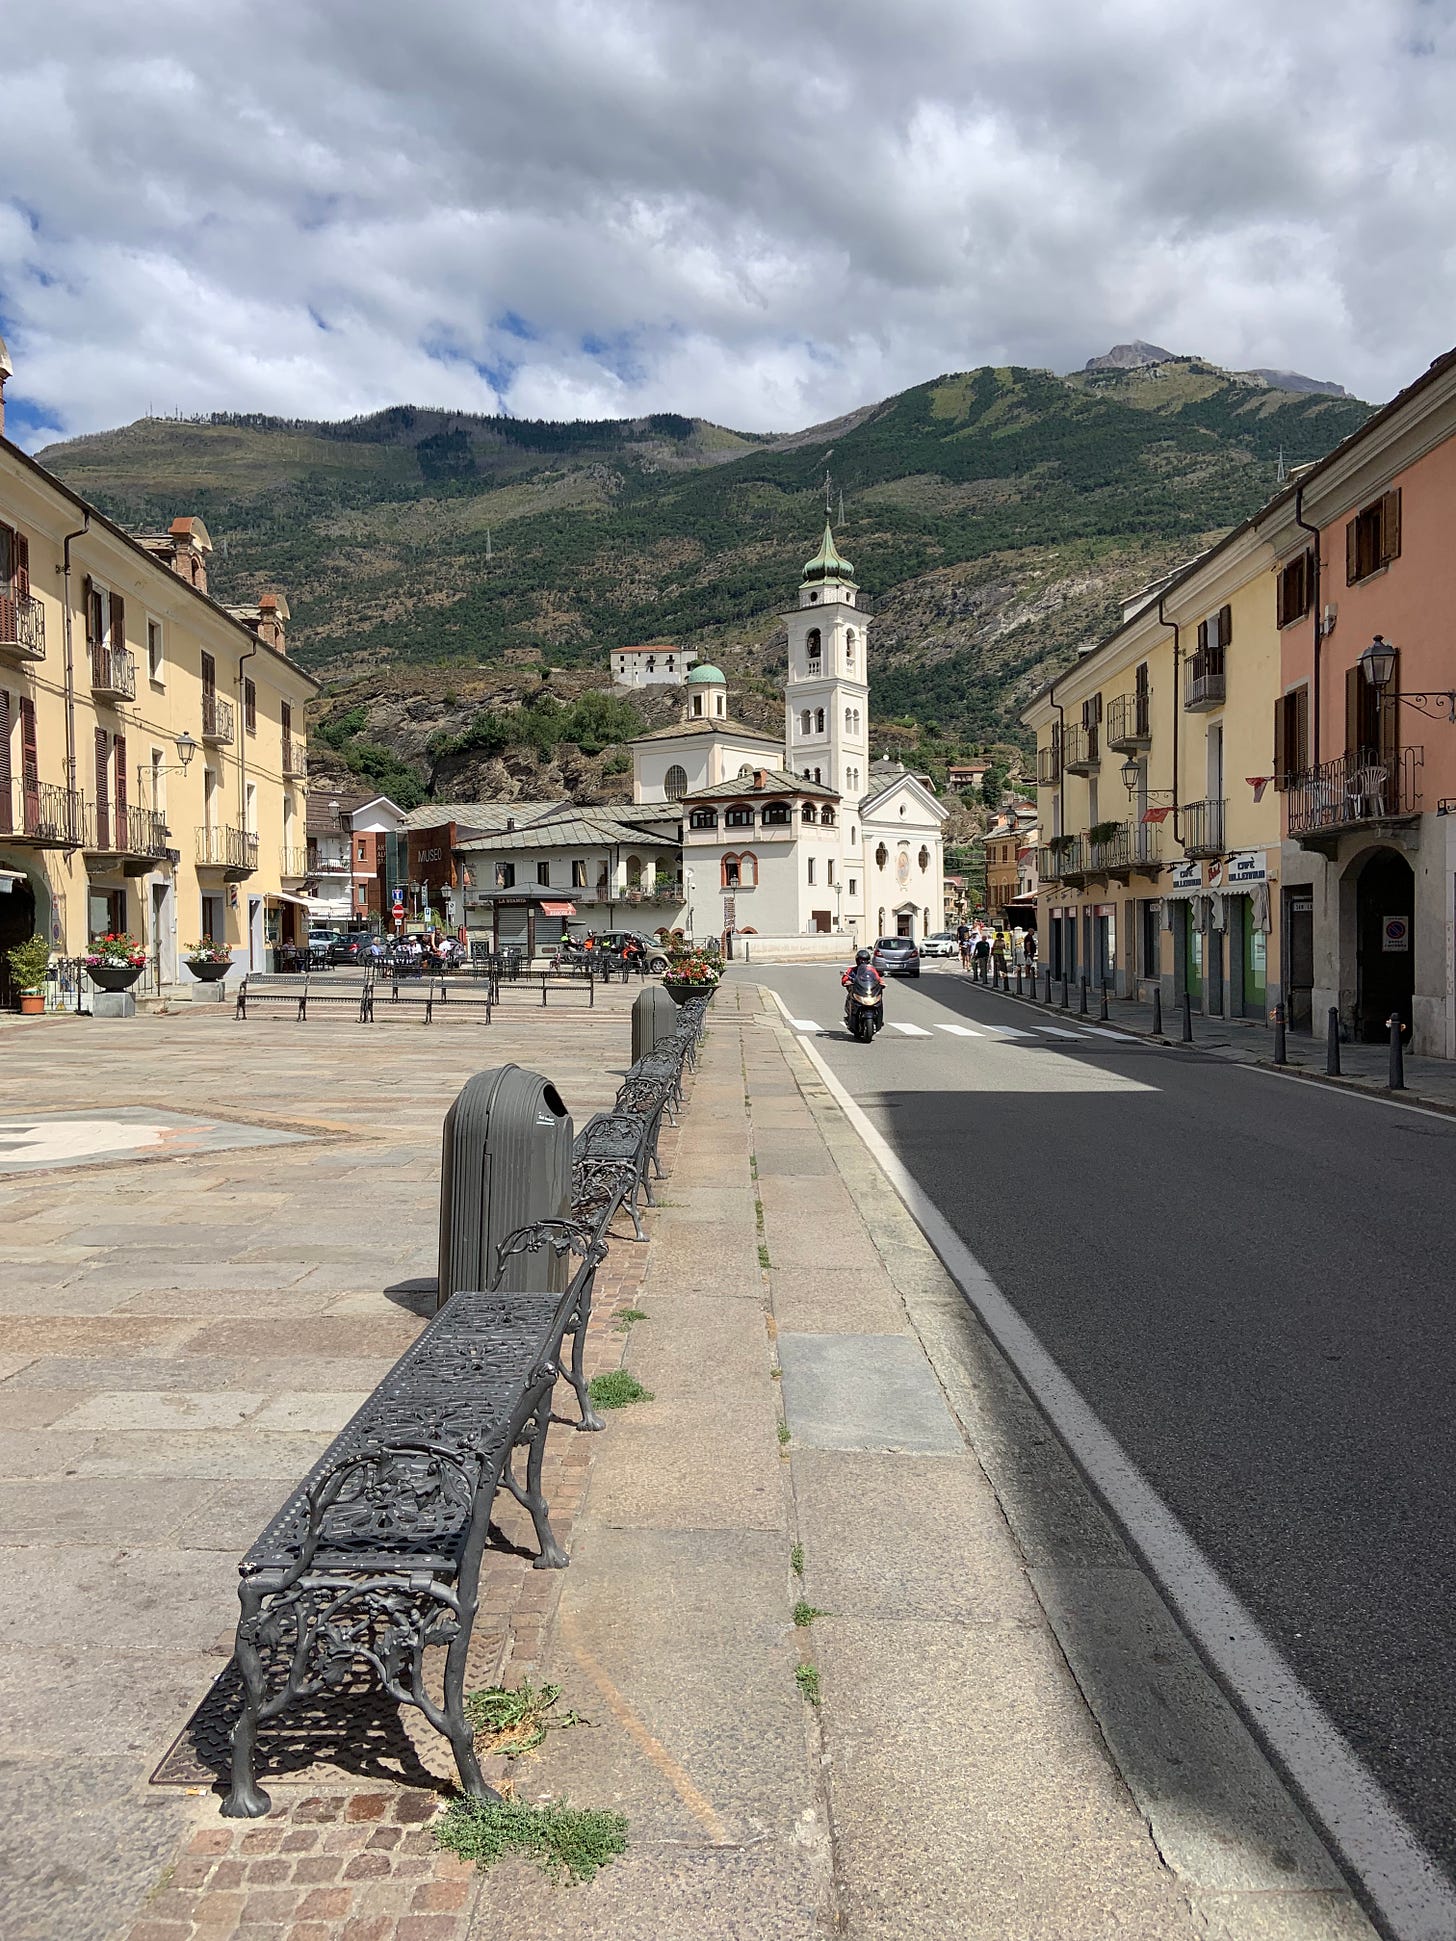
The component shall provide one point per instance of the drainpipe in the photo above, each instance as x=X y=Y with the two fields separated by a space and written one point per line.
x=1177 y=714
x=79 y=533
x=1314 y=710
x=243 y=660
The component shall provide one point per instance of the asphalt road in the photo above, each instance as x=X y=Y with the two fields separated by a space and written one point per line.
x=1251 y=1281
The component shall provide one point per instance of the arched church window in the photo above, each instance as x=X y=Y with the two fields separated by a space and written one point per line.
x=813 y=643
x=882 y=856
x=776 y=814
x=675 y=783
x=818 y=721
x=703 y=819
x=746 y=769
x=748 y=870
x=809 y=812
x=848 y=719
x=720 y=705
x=849 y=647
x=697 y=704
x=740 y=816
x=826 y=816
x=806 y=722
x=730 y=873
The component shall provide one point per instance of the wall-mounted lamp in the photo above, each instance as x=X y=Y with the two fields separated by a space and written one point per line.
x=1377 y=664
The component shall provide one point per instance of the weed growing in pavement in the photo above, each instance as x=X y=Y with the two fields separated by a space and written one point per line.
x=805 y=1613
x=763 y=1259
x=515 y=1721
x=796 y=1560
x=758 y=1214
x=627 y=1315
x=570 y=1841
x=616 y=1388
x=753 y=1165
x=784 y=1433
x=806 y=1677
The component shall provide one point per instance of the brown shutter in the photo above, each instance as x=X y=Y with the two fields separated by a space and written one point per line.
x=103 y=817
x=119 y=748
x=1225 y=626
x=7 y=808
x=118 y=621
x=1352 y=552
x=1281 y=742
x=88 y=607
x=1389 y=726
x=1353 y=678
x=1301 y=730
x=20 y=565
x=1390 y=527
x=1282 y=614
x=29 y=763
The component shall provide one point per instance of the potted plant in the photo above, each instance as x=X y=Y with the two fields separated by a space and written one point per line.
x=115 y=961
x=689 y=975
x=208 y=962
x=28 y=963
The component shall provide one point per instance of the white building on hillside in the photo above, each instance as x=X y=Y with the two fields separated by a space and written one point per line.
x=803 y=835
x=658 y=664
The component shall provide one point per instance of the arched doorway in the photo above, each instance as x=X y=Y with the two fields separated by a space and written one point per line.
x=17 y=922
x=1385 y=945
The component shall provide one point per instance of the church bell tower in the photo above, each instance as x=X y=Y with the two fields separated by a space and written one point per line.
x=827 y=701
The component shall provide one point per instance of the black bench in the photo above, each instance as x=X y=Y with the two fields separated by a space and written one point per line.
x=566 y=979
x=375 y=1557
x=298 y=994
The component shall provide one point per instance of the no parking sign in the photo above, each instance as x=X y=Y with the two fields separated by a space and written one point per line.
x=1395 y=933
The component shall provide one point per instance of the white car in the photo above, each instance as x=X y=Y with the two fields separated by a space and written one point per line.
x=942 y=944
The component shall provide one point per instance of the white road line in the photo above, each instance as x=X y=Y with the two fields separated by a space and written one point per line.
x=960 y=1031
x=804 y=1024
x=1101 y=1031
x=908 y=1030
x=1405 y=1885
x=1056 y=1031
x=1005 y=1031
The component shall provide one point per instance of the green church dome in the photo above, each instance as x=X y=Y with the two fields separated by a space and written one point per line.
x=826 y=563
x=707 y=676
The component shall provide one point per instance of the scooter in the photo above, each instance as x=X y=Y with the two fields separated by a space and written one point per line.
x=864 y=1005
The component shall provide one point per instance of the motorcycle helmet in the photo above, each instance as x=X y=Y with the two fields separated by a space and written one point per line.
x=862 y=957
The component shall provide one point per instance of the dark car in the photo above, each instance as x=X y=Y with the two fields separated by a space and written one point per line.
x=652 y=951
x=897 y=957
x=352 y=949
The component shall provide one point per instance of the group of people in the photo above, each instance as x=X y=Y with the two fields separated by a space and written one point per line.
x=988 y=950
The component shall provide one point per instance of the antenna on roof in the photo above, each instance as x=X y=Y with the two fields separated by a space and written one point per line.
x=1281 y=474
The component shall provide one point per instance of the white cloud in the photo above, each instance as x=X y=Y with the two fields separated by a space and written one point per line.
x=763 y=213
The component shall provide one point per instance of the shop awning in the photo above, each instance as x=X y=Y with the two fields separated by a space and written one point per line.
x=9 y=878
x=558 y=909
x=285 y=896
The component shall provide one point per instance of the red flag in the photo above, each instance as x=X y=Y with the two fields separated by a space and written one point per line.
x=1155 y=815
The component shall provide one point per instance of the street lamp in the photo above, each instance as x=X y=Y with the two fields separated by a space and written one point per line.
x=1377 y=664
x=1131 y=774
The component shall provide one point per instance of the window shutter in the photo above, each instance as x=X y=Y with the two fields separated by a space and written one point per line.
x=1390 y=527
x=20 y=565
x=1353 y=678
x=7 y=809
x=1225 y=626
x=88 y=607
x=1281 y=742
x=1389 y=724
x=1352 y=552
x=118 y=621
x=120 y=749
x=103 y=820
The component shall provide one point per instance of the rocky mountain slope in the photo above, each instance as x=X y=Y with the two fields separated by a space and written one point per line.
x=438 y=563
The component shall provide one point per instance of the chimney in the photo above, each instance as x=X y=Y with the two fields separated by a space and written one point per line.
x=190 y=547
x=6 y=367
x=272 y=613
x=758 y=778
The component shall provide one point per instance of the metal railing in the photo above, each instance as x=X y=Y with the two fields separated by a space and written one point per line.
x=1203 y=685
x=294 y=862
x=22 y=626
x=42 y=813
x=1079 y=750
x=1367 y=786
x=122 y=830
x=1129 y=722
x=1132 y=845
x=217 y=720
x=1057 y=862
x=223 y=847
x=295 y=761
x=113 y=672
x=1203 y=827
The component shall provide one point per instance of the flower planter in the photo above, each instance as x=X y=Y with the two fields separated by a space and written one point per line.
x=209 y=970
x=114 y=977
x=681 y=989
x=32 y=1004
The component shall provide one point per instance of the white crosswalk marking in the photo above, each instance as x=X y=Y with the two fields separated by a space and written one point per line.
x=804 y=1024
x=908 y=1030
x=1005 y=1031
x=1056 y=1031
x=960 y=1031
x=1100 y=1031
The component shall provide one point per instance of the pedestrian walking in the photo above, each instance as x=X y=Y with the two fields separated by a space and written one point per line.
x=998 y=953
x=983 y=958
x=963 y=938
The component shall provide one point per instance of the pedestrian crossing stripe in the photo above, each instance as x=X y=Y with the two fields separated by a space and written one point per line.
x=960 y=1031
x=909 y=1030
x=813 y=1029
x=804 y=1024
x=1056 y=1031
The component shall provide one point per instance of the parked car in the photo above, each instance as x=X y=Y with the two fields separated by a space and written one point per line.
x=942 y=944
x=652 y=951
x=896 y=957
x=352 y=948
x=321 y=945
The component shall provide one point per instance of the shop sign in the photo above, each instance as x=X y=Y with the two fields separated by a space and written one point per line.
x=1395 y=933
x=1247 y=866
x=1187 y=876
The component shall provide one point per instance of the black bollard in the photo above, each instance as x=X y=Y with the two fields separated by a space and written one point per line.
x=1397 y=1055
x=1157 y=1010
x=1332 y=1044
x=1049 y=986
x=1018 y=980
x=1102 y=1004
x=1082 y=997
x=1187 y=1018
x=1280 y=1050
x=1065 y=1002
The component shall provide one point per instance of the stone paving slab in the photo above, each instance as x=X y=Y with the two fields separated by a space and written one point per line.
x=870 y=1391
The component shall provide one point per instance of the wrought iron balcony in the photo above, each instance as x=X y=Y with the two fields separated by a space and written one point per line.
x=1203 y=686
x=294 y=862
x=234 y=851
x=1203 y=828
x=217 y=721
x=42 y=814
x=1362 y=788
x=1079 y=750
x=1130 y=847
x=22 y=627
x=1048 y=765
x=295 y=761
x=113 y=674
x=1062 y=860
x=136 y=837
x=1129 y=723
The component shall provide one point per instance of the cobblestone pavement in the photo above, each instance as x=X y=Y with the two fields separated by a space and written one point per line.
x=179 y=1337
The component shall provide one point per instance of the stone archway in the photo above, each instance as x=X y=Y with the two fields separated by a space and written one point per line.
x=17 y=923
x=1385 y=946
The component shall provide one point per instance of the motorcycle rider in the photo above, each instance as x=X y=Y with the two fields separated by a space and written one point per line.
x=861 y=971
x=863 y=959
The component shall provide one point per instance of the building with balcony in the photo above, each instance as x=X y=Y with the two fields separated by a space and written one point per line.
x=571 y=870
x=1012 y=856
x=145 y=731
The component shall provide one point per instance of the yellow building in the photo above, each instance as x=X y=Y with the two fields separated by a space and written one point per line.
x=1159 y=855
x=152 y=748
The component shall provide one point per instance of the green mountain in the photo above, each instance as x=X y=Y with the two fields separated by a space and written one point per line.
x=996 y=518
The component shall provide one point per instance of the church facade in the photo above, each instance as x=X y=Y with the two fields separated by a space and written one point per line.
x=801 y=835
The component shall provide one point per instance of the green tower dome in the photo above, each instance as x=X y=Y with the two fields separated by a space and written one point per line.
x=826 y=563
x=707 y=676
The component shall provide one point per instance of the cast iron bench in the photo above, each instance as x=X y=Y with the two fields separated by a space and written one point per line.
x=568 y=978
x=299 y=992
x=375 y=1557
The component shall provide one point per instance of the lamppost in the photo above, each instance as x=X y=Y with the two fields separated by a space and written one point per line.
x=186 y=748
x=1377 y=664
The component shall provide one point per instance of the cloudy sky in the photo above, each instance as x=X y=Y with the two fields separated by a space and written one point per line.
x=760 y=211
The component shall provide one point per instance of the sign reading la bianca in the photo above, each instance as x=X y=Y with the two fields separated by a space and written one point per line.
x=1247 y=866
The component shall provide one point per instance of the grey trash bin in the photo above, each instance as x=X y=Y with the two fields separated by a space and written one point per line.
x=505 y=1161
x=654 y=1019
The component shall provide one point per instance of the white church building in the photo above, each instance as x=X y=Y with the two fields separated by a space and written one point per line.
x=801 y=835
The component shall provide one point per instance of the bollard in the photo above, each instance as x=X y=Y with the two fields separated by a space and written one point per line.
x=1332 y=1044
x=1397 y=1055
x=1280 y=1049
x=1066 y=1005
x=1187 y=1018
x=1102 y=1004
x=1018 y=980
x=1157 y=1011
x=1082 y=997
